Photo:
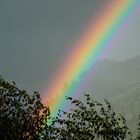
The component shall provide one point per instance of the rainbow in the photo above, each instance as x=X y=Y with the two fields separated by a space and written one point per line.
x=93 y=43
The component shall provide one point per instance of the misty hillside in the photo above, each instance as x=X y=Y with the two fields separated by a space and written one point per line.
x=119 y=82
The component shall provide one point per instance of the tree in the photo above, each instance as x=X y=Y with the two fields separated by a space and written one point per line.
x=138 y=137
x=90 y=121
x=22 y=116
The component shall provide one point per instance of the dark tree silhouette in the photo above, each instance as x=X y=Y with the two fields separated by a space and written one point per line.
x=138 y=137
x=22 y=116
x=90 y=121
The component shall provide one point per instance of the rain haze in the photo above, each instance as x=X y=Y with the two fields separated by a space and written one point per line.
x=37 y=35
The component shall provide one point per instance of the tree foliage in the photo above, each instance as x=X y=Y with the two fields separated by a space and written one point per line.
x=138 y=137
x=22 y=116
x=90 y=121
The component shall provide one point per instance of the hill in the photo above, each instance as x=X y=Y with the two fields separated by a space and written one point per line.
x=119 y=82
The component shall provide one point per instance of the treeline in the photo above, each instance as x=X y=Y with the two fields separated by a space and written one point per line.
x=24 y=117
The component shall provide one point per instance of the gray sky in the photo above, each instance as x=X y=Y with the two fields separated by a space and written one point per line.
x=36 y=35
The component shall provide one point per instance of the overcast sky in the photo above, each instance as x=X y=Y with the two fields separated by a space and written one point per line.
x=35 y=35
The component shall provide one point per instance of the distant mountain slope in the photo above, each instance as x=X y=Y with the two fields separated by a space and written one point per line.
x=120 y=83
x=113 y=78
